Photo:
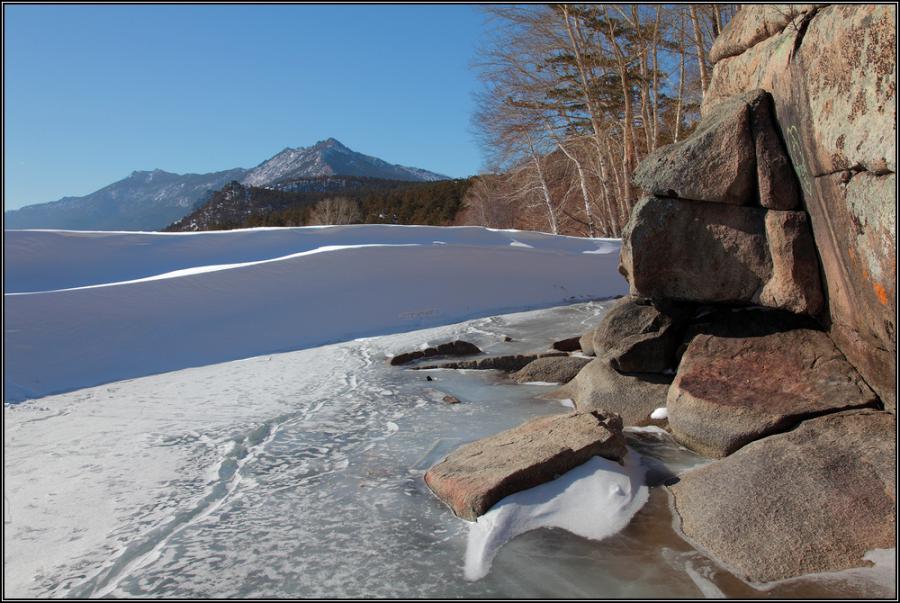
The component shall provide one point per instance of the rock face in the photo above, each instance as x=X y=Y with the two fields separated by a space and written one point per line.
x=633 y=397
x=453 y=348
x=554 y=369
x=730 y=391
x=832 y=75
x=637 y=335
x=811 y=500
x=474 y=477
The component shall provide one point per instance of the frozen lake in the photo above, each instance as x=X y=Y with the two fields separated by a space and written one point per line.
x=300 y=475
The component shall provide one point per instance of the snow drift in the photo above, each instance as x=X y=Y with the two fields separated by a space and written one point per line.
x=85 y=308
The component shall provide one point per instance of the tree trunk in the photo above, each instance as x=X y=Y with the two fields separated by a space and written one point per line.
x=701 y=50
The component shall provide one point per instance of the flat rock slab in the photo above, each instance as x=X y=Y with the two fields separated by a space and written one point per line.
x=501 y=363
x=474 y=477
x=453 y=348
x=640 y=336
x=730 y=391
x=554 y=369
x=633 y=397
x=815 y=499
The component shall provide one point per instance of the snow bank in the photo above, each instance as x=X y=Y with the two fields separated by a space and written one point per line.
x=85 y=308
x=595 y=500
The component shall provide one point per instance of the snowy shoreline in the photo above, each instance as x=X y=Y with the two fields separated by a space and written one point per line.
x=84 y=309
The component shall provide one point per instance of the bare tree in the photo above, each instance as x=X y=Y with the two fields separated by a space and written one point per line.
x=335 y=210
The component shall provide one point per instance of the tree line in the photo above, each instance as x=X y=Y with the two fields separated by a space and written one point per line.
x=573 y=97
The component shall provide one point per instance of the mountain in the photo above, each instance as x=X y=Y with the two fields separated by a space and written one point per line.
x=331 y=158
x=142 y=201
x=153 y=200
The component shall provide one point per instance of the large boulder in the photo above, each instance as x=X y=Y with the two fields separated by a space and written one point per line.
x=708 y=252
x=715 y=163
x=554 y=369
x=639 y=336
x=734 y=156
x=832 y=76
x=812 y=500
x=732 y=390
x=693 y=251
x=633 y=397
x=474 y=477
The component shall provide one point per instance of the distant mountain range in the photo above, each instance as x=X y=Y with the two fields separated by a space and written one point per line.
x=153 y=200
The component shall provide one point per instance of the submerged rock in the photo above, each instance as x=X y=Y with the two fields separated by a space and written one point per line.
x=454 y=348
x=554 y=369
x=598 y=386
x=815 y=499
x=450 y=399
x=732 y=390
x=501 y=363
x=474 y=477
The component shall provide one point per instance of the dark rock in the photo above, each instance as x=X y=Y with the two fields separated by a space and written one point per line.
x=474 y=477
x=776 y=180
x=450 y=399
x=454 y=348
x=428 y=378
x=638 y=336
x=501 y=363
x=598 y=386
x=507 y=338
x=567 y=345
x=555 y=369
x=730 y=391
x=815 y=499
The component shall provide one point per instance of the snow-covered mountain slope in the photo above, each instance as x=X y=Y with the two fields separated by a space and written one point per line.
x=329 y=158
x=142 y=201
x=88 y=308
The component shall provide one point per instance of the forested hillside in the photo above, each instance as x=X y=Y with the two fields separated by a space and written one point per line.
x=329 y=200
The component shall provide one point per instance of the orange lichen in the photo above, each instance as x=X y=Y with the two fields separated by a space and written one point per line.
x=881 y=293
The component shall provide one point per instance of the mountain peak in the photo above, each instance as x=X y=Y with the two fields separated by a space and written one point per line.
x=330 y=143
x=330 y=157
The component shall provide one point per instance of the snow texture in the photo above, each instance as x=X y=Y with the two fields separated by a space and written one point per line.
x=595 y=500
x=86 y=308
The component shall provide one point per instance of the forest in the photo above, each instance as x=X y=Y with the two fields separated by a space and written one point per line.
x=574 y=96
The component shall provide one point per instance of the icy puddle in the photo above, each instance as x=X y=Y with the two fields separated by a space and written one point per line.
x=300 y=475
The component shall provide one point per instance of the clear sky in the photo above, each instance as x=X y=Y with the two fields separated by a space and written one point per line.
x=94 y=92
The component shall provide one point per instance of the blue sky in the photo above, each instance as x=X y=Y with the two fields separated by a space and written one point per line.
x=95 y=92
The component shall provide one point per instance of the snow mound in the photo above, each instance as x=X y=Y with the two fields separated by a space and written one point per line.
x=85 y=308
x=595 y=500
